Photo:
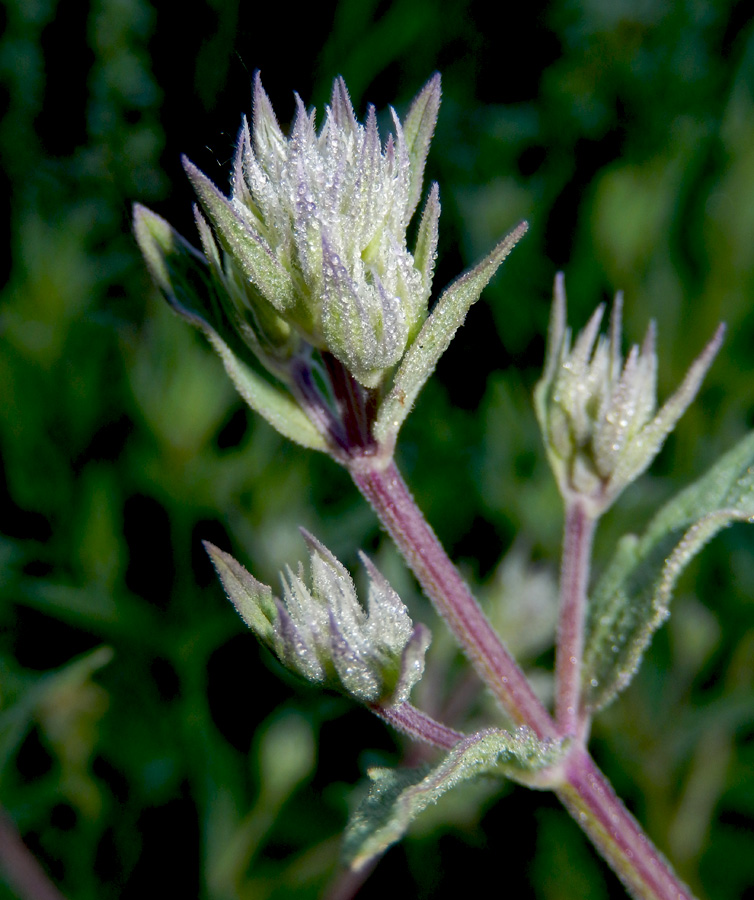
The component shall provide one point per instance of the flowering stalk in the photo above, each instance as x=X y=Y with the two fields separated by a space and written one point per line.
x=395 y=507
x=577 y=550
x=601 y=427
x=590 y=799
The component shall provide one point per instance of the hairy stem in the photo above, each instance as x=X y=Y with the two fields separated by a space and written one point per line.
x=574 y=581
x=581 y=787
x=418 y=725
x=394 y=505
x=590 y=799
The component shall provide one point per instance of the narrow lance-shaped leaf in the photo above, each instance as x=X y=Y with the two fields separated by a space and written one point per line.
x=396 y=797
x=630 y=601
x=252 y=599
x=179 y=270
x=435 y=337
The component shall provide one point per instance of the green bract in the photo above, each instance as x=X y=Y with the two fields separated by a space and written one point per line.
x=397 y=796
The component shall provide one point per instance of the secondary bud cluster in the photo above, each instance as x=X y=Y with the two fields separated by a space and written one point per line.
x=598 y=414
x=322 y=633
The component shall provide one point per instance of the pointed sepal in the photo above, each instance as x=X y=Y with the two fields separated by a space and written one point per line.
x=238 y=237
x=253 y=600
x=418 y=129
x=425 y=253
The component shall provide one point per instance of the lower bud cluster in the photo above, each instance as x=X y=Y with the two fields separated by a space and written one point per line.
x=323 y=634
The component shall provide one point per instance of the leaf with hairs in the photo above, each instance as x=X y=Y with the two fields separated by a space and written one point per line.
x=396 y=797
x=631 y=599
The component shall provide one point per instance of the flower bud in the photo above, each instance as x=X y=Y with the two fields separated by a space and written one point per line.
x=323 y=634
x=598 y=414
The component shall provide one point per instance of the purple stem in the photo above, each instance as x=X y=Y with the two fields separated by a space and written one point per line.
x=418 y=725
x=394 y=505
x=353 y=403
x=590 y=799
x=581 y=787
x=577 y=554
x=20 y=868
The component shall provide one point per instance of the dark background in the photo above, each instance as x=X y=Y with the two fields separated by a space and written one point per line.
x=179 y=761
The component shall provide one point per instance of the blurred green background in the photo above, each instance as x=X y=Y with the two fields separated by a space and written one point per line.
x=147 y=746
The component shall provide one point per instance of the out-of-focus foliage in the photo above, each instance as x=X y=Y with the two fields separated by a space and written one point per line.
x=180 y=759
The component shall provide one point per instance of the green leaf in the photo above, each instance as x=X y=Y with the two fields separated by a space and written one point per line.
x=184 y=277
x=178 y=269
x=631 y=599
x=273 y=403
x=435 y=337
x=191 y=285
x=396 y=797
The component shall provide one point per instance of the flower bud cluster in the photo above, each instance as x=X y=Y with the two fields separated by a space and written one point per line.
x=599 y=415
x=323 y=634
x=313 y=235
x=305 y=274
